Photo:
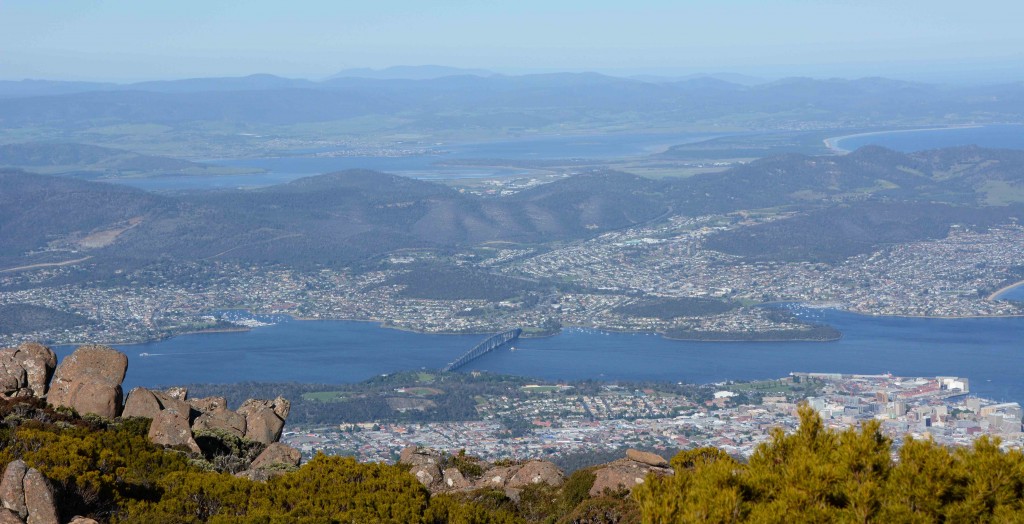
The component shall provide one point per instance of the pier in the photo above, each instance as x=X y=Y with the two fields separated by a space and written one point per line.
x=492 y=343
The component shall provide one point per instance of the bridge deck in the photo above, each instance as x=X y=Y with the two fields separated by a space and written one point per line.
x=492 y=343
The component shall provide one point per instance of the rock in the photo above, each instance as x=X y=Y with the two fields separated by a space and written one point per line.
x=282 y=407
x=170 y=428
x=39 y=499
x=277 y=454
x=177 y=392
x=9 y=517
x=415 y=456
x=39 y=362
x=223 y=419
x=495 y=477
x=89 y=380
x=623 y=474
x=536 y=472
x=427 y=474
x=263 y=426
x=262 y=421
x=12 y=488
x=207 y=404
x=82 y=520
x=25 y=370
x=141 y=403
x=258 y=475
x=644 y=457
x=453 y=479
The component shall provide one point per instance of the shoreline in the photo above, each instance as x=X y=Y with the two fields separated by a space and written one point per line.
x=1005 y=289
x=384 y=325
x=832 y=143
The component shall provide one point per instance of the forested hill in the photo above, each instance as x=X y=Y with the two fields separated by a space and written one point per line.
x=354 y=216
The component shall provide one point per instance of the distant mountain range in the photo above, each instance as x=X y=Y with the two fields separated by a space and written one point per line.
x=846 y=205
x=429 y=98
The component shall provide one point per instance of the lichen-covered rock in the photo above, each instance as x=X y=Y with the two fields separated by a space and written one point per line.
x=12 y=488
x=416 y=456
x=89 y=380
x=645 y=457
x=39 y=499
x=454 y=480
x=277 y=454
x=495 y=477
x=222 y=419
x=25 y=370
x=536 y=472
x=170 y=428
x=427 y=474
x=177 y=392
x=207 y=404
x=82 y=520
x=623 y=474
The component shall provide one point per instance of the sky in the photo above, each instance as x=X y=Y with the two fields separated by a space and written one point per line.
x=131 y=40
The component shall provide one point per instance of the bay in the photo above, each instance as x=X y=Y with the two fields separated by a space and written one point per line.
x=1001 y=136
x=427 y=166
x=989 y=352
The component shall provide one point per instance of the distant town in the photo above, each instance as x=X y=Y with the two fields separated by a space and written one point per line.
x=737 y=418
x=601 y=282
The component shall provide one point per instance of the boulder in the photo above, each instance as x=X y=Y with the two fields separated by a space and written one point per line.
x=277 y=454
x=177 y=392
x=496 y=477
x=170 y=428
x=536 y=472
x=453 y=479
x=222 y=419
x=207 y=404
x=141 y=403
x=89 y=380
x=415 y=456
x=263 y=422
x=39 y=499
x=25 y=370
x=427 y=474
x=9 y=517
x=12 y=488
x=623 y=474
x=645 y=457
x=82 y=520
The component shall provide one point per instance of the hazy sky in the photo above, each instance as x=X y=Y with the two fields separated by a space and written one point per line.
x=141 y=39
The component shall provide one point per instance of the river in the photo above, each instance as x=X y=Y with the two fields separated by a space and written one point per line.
x=989 y=352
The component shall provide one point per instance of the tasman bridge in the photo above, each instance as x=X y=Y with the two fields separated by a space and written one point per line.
x=492 y=343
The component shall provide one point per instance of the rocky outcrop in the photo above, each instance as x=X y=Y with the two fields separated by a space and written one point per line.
x=25 y=370
x=628 y=472
x=26 y=496
x=438 y=473
x=264 y=419
x=646 y=457
x=207 y=404
x=223 y=420
x=82 y=520
x=536 y=472
x=277 y=455
x=89 y=381
x=170 y=427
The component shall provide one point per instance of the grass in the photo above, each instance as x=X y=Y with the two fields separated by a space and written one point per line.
x=325 y=396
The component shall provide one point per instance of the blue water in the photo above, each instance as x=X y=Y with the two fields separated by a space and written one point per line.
x=429 y=166
x=1004 y=136
x=990 y=352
